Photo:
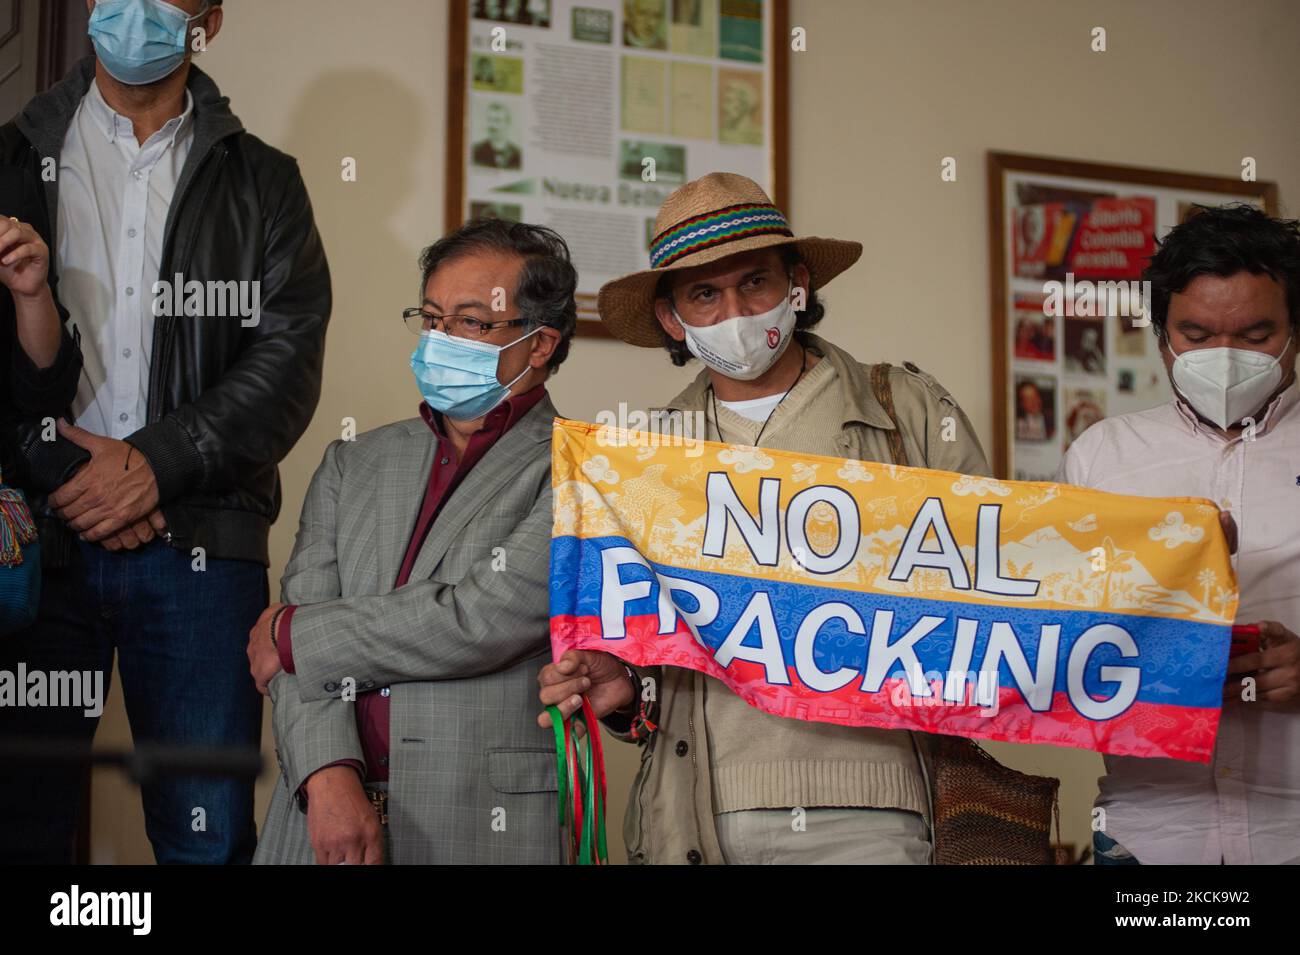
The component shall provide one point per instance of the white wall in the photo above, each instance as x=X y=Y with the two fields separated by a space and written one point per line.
x=885 y=90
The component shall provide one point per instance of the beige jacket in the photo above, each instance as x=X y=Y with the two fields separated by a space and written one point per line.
x=670 y=816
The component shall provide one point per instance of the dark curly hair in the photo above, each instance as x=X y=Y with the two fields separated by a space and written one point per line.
x=546 y=282
x=813 y=312
x=1224 y=240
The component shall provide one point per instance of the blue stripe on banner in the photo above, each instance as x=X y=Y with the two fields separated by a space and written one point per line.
x=1169 y=649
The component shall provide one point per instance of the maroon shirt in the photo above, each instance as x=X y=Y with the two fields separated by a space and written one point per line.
x=449 y=469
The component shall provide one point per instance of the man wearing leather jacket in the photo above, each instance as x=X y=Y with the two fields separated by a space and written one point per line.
x=196 y=285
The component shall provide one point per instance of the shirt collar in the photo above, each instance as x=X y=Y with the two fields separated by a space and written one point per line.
x=114 y=125
x=1283 y=403
x=500 y=419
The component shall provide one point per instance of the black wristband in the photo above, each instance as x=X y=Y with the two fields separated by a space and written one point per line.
x=275 y=618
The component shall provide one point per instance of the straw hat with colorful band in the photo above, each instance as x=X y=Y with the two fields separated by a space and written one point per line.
x=708 y=219
x=714 y=228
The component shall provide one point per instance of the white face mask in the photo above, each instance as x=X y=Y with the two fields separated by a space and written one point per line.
x=1225 y=385
x=745 y=346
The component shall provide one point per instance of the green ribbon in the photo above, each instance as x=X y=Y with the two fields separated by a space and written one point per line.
x=583 y=794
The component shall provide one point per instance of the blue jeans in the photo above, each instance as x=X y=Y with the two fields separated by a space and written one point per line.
x=180 y=637
x=1106 y=851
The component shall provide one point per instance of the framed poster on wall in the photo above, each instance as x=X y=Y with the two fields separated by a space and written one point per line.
x=1071 y=343
x=584 y=115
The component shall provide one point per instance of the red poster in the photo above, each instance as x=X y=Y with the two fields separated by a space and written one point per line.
x=1114 y=239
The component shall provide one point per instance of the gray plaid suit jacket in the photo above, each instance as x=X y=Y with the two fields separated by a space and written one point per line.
x=471 y=774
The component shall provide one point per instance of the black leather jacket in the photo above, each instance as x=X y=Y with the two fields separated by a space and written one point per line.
x=226 y=402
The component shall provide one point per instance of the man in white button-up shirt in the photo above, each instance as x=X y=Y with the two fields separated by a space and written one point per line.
x=115 y=186
x=197 y=286
x=1226 y=311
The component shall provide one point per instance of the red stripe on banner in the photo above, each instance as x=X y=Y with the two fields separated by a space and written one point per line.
x=1144 y=729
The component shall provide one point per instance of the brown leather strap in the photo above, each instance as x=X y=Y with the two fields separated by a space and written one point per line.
x=885 y=395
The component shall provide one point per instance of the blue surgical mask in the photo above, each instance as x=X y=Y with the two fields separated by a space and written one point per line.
x=459 y=377
x=140 y=41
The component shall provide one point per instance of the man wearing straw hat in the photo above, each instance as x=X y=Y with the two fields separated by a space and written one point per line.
x=721 y=781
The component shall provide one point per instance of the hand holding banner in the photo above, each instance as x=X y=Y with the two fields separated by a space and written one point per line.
x=874 y=595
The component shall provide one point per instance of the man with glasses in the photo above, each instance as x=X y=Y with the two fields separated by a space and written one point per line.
x=732 y=286
x=401 y=663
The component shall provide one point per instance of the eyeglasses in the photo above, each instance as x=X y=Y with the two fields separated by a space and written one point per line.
x=758 y=293
x=458 y=326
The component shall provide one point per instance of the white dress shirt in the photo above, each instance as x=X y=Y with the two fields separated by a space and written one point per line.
x=1244 y=806
x=114 y=195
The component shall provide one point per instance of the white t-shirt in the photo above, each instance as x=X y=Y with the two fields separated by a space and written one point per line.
x=755 y=409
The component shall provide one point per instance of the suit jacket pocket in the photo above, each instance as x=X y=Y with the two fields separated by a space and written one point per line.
x=522 y=770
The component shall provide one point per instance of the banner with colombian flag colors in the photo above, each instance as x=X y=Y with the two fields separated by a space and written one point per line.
x=866 y=594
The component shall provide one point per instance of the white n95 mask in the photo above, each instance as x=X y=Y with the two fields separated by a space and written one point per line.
x=1224 y=384
x=745 y=346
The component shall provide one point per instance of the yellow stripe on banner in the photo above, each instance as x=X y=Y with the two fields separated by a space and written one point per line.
x=882 y=529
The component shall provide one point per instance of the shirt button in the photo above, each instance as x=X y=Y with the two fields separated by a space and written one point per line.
x=1225 y=772
x=383 y=760
x=446 y=460
x=138 y=174
x=130 y=233
x=122 y=416
x=682 y=749
x=385 y=692
x=126 y=353
x=331 y=687
x=130 y=290
x=694 y=857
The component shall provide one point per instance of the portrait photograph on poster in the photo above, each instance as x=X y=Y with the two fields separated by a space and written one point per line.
x=1035 y=331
